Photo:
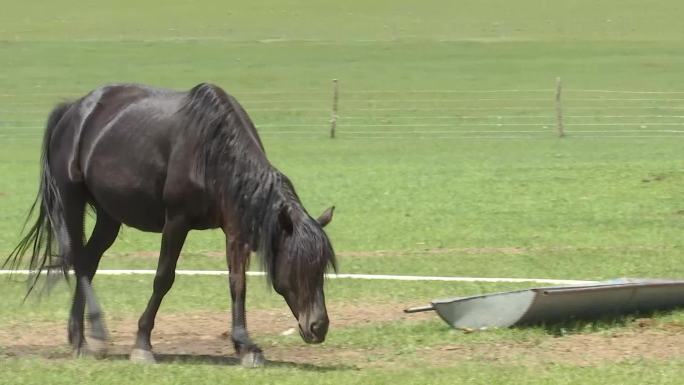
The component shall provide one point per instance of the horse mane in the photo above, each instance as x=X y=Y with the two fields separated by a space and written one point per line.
x=231 y=163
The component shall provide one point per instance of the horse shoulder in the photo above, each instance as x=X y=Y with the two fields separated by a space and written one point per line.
x=186 y=190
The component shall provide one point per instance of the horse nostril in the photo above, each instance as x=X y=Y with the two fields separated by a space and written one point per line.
x=318 y=328
x=315 y=327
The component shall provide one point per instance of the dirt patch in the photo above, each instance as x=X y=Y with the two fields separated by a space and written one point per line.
x=202 y=334
x=144 y=254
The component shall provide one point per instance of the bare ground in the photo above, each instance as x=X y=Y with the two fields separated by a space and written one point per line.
x=203 y=336
x=644 y=340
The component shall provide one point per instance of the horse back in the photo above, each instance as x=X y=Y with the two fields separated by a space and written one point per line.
x=127 y=148
x=141 y=151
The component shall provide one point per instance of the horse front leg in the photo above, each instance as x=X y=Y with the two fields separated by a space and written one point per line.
x=173 y=236
x=250 y=354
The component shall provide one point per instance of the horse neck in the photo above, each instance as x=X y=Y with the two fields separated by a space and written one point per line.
x=249 y=193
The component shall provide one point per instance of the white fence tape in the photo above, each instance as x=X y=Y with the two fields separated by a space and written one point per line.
x=382 y=277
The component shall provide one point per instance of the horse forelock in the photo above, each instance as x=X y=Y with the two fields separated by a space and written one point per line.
x=311 y=252
x=307 y=249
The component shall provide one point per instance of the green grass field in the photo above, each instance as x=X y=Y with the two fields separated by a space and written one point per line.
x=430 y=173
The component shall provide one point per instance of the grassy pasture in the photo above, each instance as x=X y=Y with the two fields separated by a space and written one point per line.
x=430 y=182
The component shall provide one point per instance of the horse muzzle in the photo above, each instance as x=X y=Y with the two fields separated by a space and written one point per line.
x=314 y=332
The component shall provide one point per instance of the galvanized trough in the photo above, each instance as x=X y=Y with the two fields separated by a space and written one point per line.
x=548 y=305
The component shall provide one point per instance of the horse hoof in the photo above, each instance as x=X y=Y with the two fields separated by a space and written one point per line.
x=252 y=360
x=142 y=356
x=97 y=348
x=81 y=352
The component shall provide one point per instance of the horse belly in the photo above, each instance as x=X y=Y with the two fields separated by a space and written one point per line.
x=128 y=182
x=132 y=201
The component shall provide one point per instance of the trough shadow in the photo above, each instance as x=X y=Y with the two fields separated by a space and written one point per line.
x=574 y=326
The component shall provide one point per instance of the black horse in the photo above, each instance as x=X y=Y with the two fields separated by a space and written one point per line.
x=170 y=162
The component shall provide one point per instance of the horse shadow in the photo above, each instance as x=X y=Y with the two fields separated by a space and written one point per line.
x=221 y=360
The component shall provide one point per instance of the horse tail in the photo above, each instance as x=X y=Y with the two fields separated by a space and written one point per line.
x=40 y=239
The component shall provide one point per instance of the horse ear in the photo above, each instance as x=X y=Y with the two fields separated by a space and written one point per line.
x=326 y=217
x=285 y=220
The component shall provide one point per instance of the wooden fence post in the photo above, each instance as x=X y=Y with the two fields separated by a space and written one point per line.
x=559 y=109
x=333 y=118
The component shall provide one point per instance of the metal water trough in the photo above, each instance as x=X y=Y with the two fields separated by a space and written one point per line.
x=548 y=305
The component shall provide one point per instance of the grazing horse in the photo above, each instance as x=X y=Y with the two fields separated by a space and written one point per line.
x=169 y=162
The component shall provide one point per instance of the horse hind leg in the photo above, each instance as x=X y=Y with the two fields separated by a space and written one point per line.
x=103 y=236
x=72 y=248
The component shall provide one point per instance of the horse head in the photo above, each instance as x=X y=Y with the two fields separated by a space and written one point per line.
x=302 y=257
